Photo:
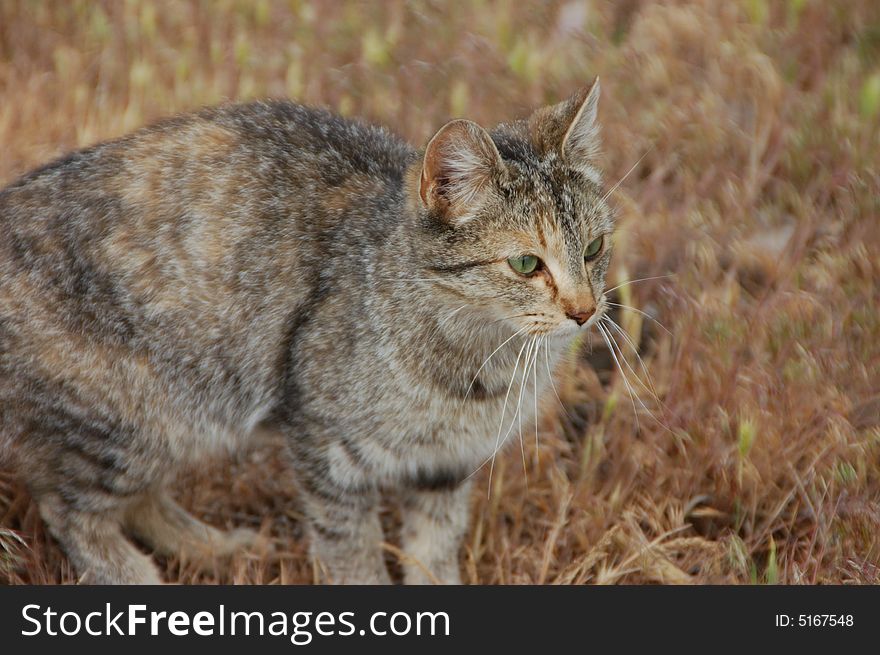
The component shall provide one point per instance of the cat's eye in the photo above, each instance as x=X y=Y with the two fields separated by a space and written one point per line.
x=594 y=248
x=524 y=264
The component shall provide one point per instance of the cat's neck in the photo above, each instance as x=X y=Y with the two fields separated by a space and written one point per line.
x=459 y=345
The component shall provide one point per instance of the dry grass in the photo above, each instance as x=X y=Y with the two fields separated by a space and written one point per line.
x=758 y=196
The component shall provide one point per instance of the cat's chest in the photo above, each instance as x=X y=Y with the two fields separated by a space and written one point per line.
x=441 y=442
x=405 y=411
x=470 y=425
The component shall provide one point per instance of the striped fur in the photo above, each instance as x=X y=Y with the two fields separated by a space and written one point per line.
x=270 y=266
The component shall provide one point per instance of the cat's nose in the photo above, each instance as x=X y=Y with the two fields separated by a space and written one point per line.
x=582 y=316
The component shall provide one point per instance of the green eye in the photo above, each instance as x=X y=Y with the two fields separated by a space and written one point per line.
x=524 y=264
x=594 y=248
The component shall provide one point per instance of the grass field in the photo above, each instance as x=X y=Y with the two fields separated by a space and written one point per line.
x=753 y=454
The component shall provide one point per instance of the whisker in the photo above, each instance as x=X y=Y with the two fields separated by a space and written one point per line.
x=443 y=322
x=476 y=375
x=518 y=416
x=637 y=397
x=608 y=340
x=505 y=318
x=651 y=390
x=542 y=341
x=628 y=173
x=639 y=311
x=531 y=358
x=451 y=314
x=552 y=384
x=439 y=325
x=499 y=443
x=641 y=279
x=501 y=422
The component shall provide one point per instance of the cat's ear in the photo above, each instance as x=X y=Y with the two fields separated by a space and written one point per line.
x=460 y=165
x=569 y=128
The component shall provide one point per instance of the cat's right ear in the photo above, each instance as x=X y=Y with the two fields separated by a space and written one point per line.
x=458 y=172
x=569 y=128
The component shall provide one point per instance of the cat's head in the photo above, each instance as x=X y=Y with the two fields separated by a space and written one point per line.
x=515 y=220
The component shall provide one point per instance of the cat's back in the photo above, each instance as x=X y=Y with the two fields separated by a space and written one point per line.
x=212 y=198
x=253 y=151
x=178 y=254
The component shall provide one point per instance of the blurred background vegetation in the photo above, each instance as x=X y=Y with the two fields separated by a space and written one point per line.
x=754 y=130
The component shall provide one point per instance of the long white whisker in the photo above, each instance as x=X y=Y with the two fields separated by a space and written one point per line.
x=450 y=315
x=507 y=318
x=641 y=279
x=639 y=311
x=552 y=384
x=501 y=422
x=529 y=362
x=471 y=385
x=628 y=173
x=439 y=325
x=518 y=416
x=530 y=359
x=651 y=390
x=542 y=341
x=632 y=396
x=637 y=397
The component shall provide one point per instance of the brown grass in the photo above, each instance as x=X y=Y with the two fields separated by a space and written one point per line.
x=758 y=196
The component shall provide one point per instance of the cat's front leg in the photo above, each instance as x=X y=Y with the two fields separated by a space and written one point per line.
x=346 y=535
x=434 y=524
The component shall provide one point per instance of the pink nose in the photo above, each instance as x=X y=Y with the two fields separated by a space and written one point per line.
x=582 y=316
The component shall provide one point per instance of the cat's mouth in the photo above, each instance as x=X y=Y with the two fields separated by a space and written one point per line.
x=565 y=326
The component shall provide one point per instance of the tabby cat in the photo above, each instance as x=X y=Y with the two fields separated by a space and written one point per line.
x=269 y=266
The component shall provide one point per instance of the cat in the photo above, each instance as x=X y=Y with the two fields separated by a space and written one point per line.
x=273 y=267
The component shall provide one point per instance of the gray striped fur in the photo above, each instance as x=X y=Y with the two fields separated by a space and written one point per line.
x=269 y=266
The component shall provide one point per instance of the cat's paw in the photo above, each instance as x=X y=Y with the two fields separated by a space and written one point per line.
x=241 y=539
x=223 y=544
x=447 y=574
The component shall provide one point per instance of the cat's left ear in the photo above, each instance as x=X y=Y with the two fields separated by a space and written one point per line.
x=459 y=170
x=570 y=128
